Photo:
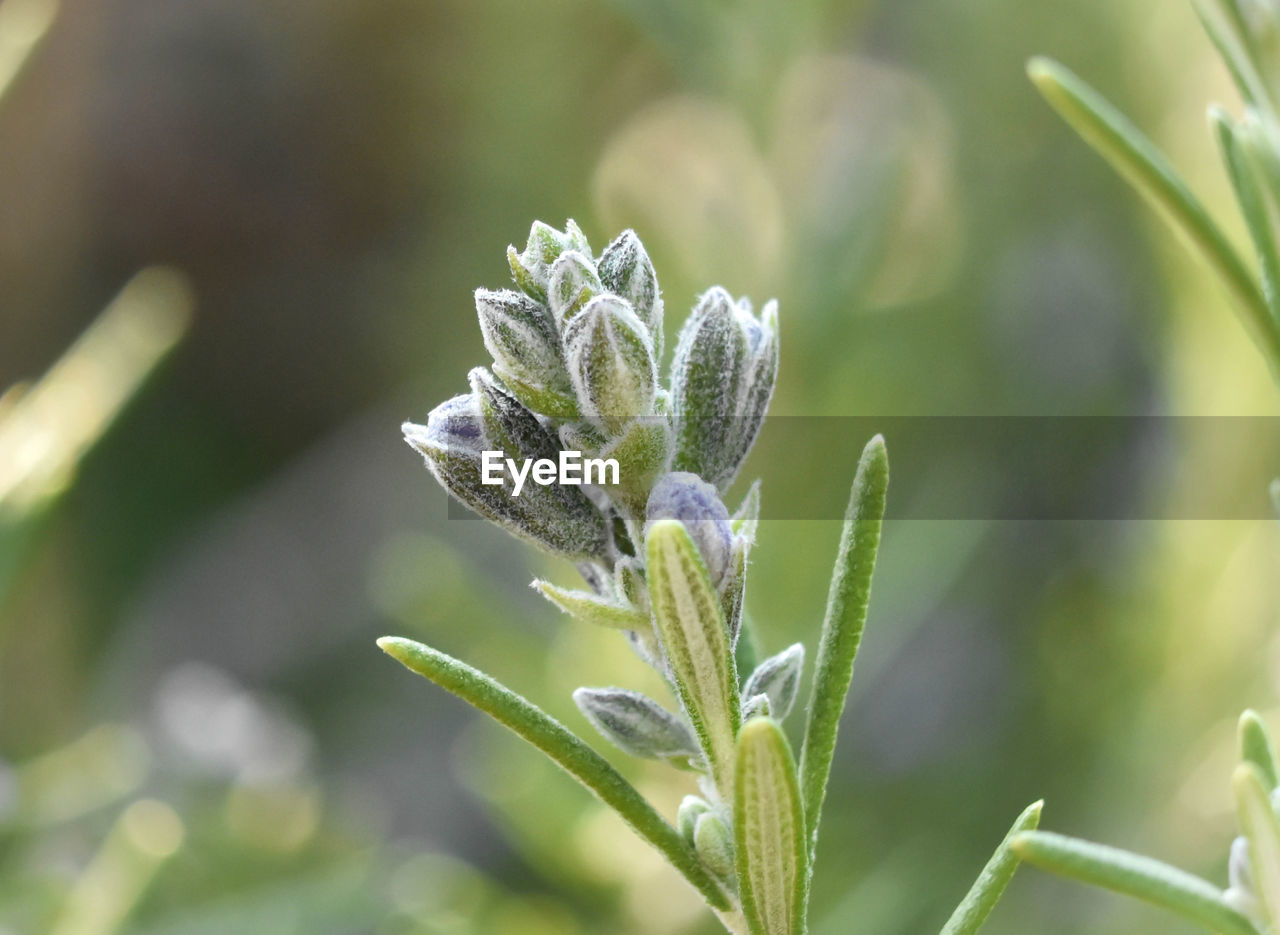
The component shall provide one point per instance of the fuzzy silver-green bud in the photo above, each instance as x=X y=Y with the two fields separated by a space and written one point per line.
x=722 y=378
x=636 y=724
x=557 y=517
x=713 y=841
x=611 y=364
x=522 y=337
x=626 y=270
x=531 y=269
x=573 y=283
x=778 y=679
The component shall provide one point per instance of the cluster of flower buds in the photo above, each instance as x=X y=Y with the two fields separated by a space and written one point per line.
x=577 y=350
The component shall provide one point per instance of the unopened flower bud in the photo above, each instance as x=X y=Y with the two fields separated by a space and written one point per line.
x=532 y=268
x=696 y=504
x=626 y=270
x=610 y=363
x=722 y=378
x=636 y=724
x=525 y=343
x=713 y=841
x=572 y=284
x=558 y=518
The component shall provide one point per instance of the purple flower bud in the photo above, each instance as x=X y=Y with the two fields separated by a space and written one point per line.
x=697 y=505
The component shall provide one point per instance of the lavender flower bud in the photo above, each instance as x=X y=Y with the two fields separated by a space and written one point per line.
x=557 y=518
x=525 y=343
x=532 y=268
x=686 y=497
x=626 y=270
x=610 y=363
x=573 y=283
x=777 y=678
x=722 y=378
x=636 y=724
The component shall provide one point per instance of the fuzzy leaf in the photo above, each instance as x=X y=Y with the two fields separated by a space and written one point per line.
x=687 y=613
x=1147 y=169
x=746 y=518
x=769 y=831
x=1257 y=819
x=589 y=608
x=734 y=589
x=778 y=677
x=1256 y=748
x=563 y=747
x=991 y=883
x=635 y=723
x=1187 y=896
x=842 y=627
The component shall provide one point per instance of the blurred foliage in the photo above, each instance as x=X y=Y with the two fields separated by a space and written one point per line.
x=190 y=700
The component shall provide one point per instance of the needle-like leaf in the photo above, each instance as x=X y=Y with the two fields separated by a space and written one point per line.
x=686 y=610
x=568 y=751
x=1256 y=748
x=1243 y=171
x=842 y=627
x=1258 y=822
x=769 y=830
x=589 y=608
x=990 y=885
x=1138 y=160
x=1188 y=896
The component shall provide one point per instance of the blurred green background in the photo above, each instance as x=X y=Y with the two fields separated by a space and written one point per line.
x=197 y=734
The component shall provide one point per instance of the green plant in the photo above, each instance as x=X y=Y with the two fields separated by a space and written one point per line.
x=1247 y=35
x=1250 y=905
x=576 y=352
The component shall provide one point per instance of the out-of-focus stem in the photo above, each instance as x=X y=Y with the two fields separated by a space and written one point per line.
x=146 y=836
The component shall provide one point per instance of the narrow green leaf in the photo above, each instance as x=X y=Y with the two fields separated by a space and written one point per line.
x=1227 y=30
x=1275 y=495
x=990 y=885
x=842 y=628
x=691 y=626
x=1258 y=822
x=1243 y=170
x=1256 y=748
x=1137 y=159
x=769 y=832
x=1188 y=896
x=562 y=746
x=587 y=607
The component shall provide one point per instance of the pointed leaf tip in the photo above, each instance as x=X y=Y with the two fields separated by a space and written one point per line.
x=846 y=615
x=1256 y=747
x=986 y=891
